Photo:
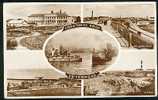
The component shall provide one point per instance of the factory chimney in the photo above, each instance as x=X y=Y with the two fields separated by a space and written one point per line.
x=92 y=14
x=52 y=12
x=60 y=11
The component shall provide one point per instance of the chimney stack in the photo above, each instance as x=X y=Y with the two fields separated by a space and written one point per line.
x=52 y=12
x=60 y=11
x=92 y=14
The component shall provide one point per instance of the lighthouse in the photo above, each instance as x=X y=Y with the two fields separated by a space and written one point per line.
x=141 y=65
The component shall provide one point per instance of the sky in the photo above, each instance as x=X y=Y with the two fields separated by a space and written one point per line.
x=22 y=10
x=26 y=64
x=131 y=60
x=81 y=38
x=117 y=10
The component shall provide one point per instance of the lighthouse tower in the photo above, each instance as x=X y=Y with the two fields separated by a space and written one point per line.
x=141 y=65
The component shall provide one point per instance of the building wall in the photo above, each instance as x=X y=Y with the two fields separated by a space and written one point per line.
x=36 y=19
x=51 y=19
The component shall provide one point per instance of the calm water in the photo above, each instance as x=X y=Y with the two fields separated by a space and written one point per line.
x=83 y=67
x=33 y=73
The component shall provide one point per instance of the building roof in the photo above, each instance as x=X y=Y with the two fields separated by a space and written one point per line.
x=34 y=15
x=61 y=14
x=56 y=13
x=18 y=21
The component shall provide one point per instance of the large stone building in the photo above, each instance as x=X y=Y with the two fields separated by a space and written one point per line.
x=53 y=19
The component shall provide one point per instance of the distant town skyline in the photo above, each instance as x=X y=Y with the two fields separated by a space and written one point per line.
x=117 y=10
x=23 y=10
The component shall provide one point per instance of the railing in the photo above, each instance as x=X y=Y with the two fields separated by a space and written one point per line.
x=134 y=35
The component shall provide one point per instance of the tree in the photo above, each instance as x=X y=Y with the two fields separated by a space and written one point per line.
x=109 y=52
x=11 y=43
x=8 y=87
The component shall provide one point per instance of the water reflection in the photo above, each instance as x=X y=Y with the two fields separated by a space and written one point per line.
x=83 y=67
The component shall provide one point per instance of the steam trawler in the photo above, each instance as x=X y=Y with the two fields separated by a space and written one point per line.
x=63 y=55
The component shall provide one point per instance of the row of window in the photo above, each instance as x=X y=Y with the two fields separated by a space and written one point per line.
x=54 y=17
x=53 y=21
x=50 y=17
x=50 y=20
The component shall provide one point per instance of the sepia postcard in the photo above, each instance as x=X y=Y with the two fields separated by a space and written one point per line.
x=80 y=50
x=30 y=27
x=132 y=24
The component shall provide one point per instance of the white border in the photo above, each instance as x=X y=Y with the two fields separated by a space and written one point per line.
x=103 y=32
x=119 y=48
x=43 y=50
x=33 y=97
